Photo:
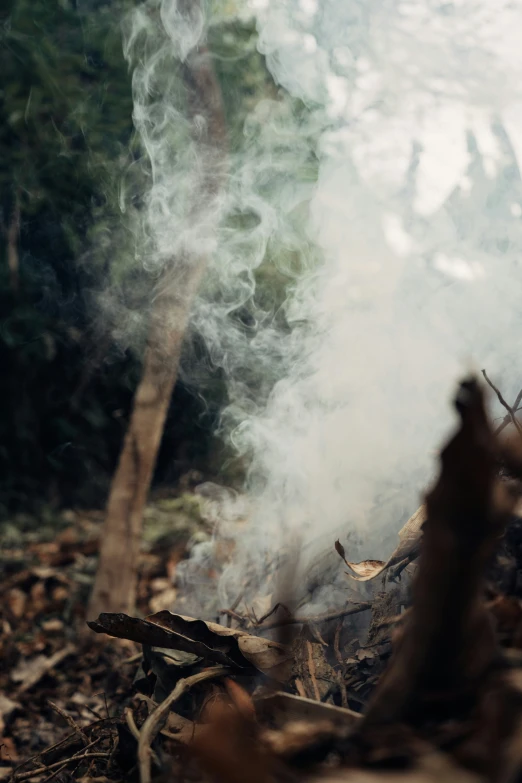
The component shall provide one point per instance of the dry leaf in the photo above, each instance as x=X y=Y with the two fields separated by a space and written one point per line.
x=29 y=672
x=407 y=550
x=163 y=600
x=7 y=707
x=8 y=751
x=211 y=641
x=16 y=601
x=339 y=548
x=54 y=625
x=367 y=569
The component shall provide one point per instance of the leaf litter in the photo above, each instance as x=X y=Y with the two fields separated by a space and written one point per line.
x=431 y=690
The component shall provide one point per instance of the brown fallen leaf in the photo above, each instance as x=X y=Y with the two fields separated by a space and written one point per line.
x=8 y=751
x=213 y=642
x=28 y=673
x=339 y=548
x=16 y=601
x=163 y=599
x=367 y=569
x=407 y=550
x=54 y=625
x=7 y=707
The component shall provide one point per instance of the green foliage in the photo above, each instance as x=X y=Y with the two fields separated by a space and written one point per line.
x=65 y=131
x=69 y=160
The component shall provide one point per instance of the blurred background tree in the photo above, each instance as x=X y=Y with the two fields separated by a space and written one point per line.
x=67 y=150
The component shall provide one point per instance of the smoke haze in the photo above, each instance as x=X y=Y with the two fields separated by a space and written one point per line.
x=409 y=243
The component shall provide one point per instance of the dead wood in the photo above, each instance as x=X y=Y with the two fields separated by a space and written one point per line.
x=432 y=693
x=511 y=410
x=448 y=645
x=153 y=723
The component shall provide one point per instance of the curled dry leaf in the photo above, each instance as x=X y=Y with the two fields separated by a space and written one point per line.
x=407 y=550
x=339 y=548
x=210 y=641
x=367 y=569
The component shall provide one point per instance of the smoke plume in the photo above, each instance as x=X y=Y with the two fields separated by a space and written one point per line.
x=408 y=240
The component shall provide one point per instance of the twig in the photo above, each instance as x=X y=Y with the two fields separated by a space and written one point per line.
x=342 y=688
x=68 y=719
x=41 y=753
x=133 y=658
x=151 y=726
x=75 y=755
x=316 y=634
x=300 y=688
x=58 y=771
x=34 y=772
x=518 y=400
x=131 y=723
x=272 y=611
x=507 y=418
x=318 y=618
x=231 y=614
x=503 y=402
x=94 y=712
x=63 y=742
x=337 y=648
x=311 y=669
x=339 y=658
x=237 y=601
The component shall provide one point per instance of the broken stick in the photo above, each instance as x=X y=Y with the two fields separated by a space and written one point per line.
x=448 y=643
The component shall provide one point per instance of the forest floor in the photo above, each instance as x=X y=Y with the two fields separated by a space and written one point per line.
x=50 y=677
x=428 y=689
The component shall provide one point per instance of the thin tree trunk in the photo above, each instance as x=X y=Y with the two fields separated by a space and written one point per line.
x=116 y=579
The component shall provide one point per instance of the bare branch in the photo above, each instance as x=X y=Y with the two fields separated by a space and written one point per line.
x=508 y=407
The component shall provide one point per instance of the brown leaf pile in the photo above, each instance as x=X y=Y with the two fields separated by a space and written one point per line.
x=427 y=694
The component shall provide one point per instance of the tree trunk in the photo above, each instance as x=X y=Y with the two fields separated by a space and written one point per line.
x=116 y=578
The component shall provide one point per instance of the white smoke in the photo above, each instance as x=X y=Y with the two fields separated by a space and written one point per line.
x=409 y=246
x=417 y=212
